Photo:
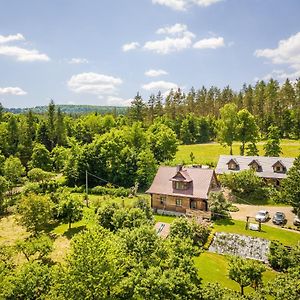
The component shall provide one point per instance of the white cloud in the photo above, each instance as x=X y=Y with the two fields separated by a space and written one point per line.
x=130 y=46
x=94 y=83
x=287 y=53
x=177 y=28
x=159 y=86
x=210 y=43
x=11 y=38
x=205 y=3
x=118 y=101
x=183 y=5
x=155 y=73
x=78 y=60
x=16 y=91
x=21 y=54
x=180 y=38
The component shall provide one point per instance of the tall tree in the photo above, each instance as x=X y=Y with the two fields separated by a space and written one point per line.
x=227 y=125
x=51 y=123
x=247 y=130
x=137 y=108
x=272 y=145
x=60 y=130
x=291 y=186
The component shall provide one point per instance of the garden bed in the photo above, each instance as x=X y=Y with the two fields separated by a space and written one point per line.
x=240 y=245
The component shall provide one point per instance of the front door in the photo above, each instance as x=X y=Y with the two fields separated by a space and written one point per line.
x=193 y=204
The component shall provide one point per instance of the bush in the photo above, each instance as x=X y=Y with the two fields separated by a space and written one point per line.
x=183 y=228
x=104 y=190
x=233 y=208
x=32 y=187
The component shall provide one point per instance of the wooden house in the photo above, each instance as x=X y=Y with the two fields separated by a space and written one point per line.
x=182 y=190
x=271 y=169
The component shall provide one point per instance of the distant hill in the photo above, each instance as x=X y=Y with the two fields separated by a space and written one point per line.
x=73 y=109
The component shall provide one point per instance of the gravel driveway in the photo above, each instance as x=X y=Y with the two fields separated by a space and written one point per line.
x=251 y=210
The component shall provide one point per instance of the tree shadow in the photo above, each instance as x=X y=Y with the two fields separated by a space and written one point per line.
x=72 y=231
x=224 y=222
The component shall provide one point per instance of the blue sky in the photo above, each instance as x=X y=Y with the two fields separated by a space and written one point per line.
x=103 y=51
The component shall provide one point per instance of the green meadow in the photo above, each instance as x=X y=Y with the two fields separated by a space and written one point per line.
x=209 y=153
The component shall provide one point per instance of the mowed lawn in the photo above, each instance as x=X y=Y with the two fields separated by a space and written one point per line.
x=209 y=153
x=218 y=271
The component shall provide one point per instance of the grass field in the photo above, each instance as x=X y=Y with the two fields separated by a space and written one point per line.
x=209 y=153
x=218 y=269
x=271 y=233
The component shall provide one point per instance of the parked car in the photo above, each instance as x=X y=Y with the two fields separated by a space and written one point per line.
x=297 y=220
x=262 y=216
x=279 y=218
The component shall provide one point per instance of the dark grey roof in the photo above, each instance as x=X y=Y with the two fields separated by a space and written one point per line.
x=199 y=187
x=266 y=163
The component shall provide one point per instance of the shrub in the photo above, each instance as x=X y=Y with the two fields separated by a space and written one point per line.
x=104 y=190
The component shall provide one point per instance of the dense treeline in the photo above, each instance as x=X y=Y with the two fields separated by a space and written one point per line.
x=72 y=109
x=125 y=149
x=188 y=114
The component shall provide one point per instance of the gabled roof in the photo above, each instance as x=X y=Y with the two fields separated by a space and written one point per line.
x=254 y=161
x=278 y=162
x=182 y=176
x=199 y=187
x=266 y=163
x=232 y=160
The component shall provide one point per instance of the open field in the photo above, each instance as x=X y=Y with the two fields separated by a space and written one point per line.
x=209 y=153
x=218 y=271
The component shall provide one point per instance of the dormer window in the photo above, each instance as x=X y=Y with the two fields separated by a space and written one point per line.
x=279 y=167
x=233 y=164
x=255 y=165
x=181 y=180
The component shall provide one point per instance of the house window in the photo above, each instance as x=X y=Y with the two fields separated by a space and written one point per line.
x=278 y=169
x=162 y=200
x=178 y=202
x=232 y=166
x=178 y=185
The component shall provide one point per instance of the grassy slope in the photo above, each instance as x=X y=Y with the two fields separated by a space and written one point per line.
x=218 y=270
x=205 y=153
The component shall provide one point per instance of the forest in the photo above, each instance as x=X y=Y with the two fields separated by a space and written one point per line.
x=126 y=148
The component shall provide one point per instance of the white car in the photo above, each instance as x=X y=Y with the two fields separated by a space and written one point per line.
x=262 y=216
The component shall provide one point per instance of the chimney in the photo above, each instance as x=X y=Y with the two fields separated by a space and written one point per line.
x=178 y=168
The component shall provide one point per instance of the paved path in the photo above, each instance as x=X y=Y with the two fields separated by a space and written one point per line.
x=251 y=210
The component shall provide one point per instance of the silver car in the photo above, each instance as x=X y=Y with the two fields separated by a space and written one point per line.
x=262 y=216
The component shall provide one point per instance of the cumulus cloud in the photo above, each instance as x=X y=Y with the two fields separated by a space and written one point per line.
x=11 y=38
x=210 y=43
x=130 y=46
x=287 y=53
x=94 y=83
x=20 y=53
x=155 y=73
x=179 y=39
x=182 y=5
x=78 y=60
x=159 y=86
x=16 y=91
